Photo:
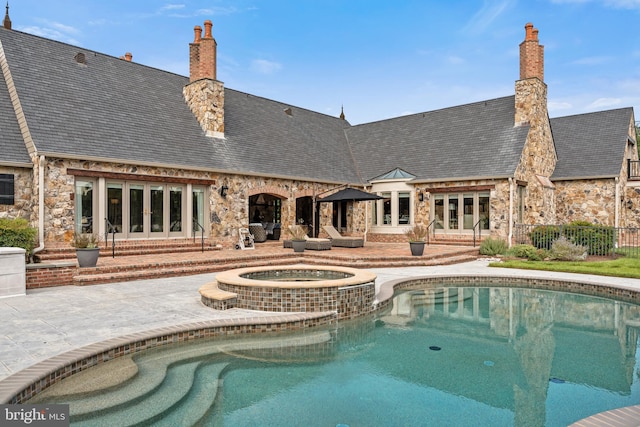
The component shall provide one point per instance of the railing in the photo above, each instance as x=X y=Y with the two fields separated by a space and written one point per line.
x=600 y=240
x=429 y=229
x=477 y=225
x=199 y=226
x=633 y=168
x=109 y=228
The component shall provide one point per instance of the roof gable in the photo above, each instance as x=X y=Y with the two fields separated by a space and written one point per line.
x=591 y=144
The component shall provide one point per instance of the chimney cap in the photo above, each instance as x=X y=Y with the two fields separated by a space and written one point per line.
x=207 y=29
x=197 y=34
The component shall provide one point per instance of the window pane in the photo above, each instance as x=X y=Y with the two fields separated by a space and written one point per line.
x=483 y=211
x=386 y=208
x=84 y=206
x=175 y=209
x=157 y=211
x=403 y=208
x=197 y=210
x=453 y=212
x=114 y=205
x=439 y=212
x=136 y=209
x=467 y=220
x=6 y=189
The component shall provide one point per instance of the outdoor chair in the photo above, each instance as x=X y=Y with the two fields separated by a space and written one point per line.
x=339 y=240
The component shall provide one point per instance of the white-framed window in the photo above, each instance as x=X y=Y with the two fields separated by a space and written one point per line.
x=140 y=209
x=460 y=212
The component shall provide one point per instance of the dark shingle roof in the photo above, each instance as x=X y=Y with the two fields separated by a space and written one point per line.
x=109 y=108
x=592 y=144
x=473 y=140
x=12 y=147
x=116 y=110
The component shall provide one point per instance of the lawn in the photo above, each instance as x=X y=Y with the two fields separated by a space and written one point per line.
x=619 y=267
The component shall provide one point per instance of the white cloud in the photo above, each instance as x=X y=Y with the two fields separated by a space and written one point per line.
x=616 y=4
x=605 y=103
x=559 y=106
x=264 y=66
x=50 y=33
x=456 y=60
x=490 y=11
x=592 y=60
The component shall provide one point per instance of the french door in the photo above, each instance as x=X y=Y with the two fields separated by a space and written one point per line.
x=145 y=210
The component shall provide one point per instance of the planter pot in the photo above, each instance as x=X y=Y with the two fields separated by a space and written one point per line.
x=417 y=248
x=87 y=257
x=298 y=245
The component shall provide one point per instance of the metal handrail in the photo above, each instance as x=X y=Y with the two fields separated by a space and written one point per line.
x=109 y=228
x=196 y=223
x=477 y=224
x=429 y=228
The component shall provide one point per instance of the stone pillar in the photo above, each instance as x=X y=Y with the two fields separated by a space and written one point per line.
x=13 y=276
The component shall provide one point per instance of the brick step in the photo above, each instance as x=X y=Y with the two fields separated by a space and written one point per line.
x=97 y=275
x=453 y=242
x=125 y=250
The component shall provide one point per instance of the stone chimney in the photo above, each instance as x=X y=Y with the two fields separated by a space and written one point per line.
x=204 y=94
x=531 y=91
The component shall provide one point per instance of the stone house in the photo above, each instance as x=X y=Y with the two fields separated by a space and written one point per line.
x=95 y=143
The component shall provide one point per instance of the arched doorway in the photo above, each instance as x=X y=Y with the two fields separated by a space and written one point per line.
x=265 y=208
x=304 y=213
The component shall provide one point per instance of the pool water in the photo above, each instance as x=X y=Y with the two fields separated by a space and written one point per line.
x=449 y=356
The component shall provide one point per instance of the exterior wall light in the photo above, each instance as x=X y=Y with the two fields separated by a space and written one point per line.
x=224 y=190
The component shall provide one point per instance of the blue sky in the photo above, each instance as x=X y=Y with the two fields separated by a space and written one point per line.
x=379 y=59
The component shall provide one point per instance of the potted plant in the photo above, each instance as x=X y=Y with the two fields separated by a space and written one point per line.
x=298 y=235
x=87 y=249
x=416 y=236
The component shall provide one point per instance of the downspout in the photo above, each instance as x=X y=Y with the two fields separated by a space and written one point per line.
x=510 y=211
x=616 y=220
x=40 y=206
x=366 y=218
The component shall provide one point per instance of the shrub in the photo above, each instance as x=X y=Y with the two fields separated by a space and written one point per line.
x=491 y=247
x=417 y=233
x=564 y=250
x=85 y=241
x=543 y=236
x=598 y=239
x=529 y=252
x=17 y=233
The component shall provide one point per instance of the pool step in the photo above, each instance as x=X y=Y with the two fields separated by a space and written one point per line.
x=175 y=386
x=166 y=382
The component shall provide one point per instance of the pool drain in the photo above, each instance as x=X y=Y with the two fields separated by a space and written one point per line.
x=435 y=348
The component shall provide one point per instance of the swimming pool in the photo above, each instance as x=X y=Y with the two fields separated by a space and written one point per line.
x=457 y=356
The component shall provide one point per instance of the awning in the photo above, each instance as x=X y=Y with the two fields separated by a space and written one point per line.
x=350 y=194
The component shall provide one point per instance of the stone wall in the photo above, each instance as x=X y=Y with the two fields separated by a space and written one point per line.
x=227 y=214
x=25 y=199
x=590 y=200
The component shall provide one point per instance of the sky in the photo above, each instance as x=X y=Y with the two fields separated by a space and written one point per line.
x=376 y=59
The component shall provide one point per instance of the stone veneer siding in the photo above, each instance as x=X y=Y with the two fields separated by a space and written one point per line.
x=24 y=197
x=226 y=214
x=205 y=98
x=590 y=200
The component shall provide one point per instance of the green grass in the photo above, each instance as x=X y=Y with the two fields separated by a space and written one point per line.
x=620 y=267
